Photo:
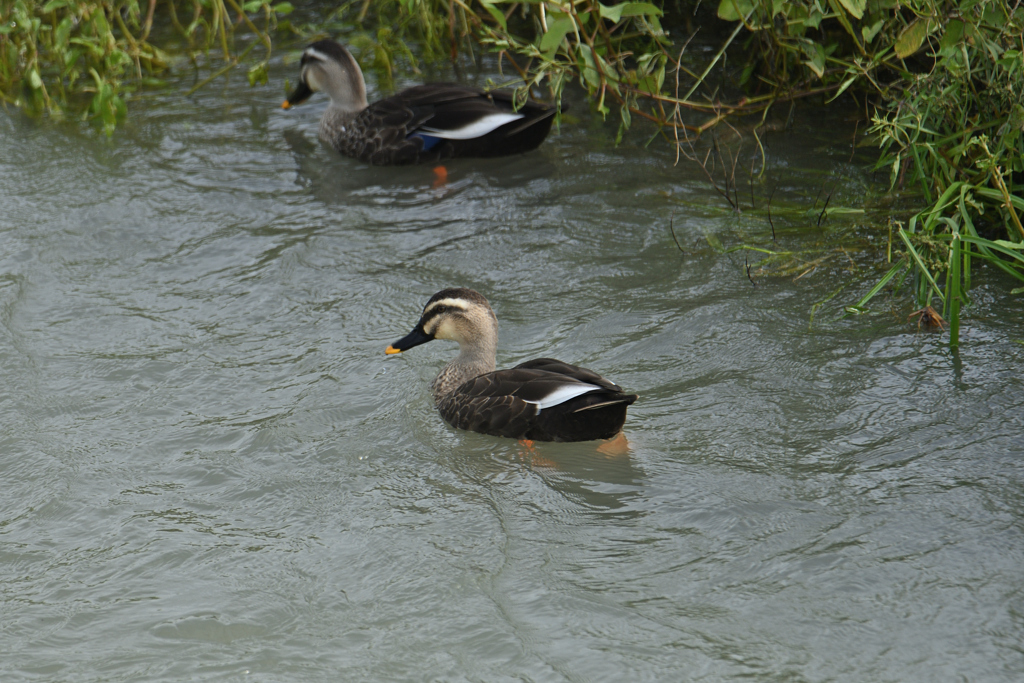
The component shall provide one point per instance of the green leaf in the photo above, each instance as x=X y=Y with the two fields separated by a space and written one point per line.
x=631 y=9
x=953 y=35
x=869 y=32
x=734 y=10
x=816 y=53
x=854 y=7
x=63 y=32
x=55 y=4
x=611 y=13
x=588 y=73
x=923 y=269
x=846 y=84
x=902 y=265
x=911 y=39
x=497 y=14
x=34 y=80
x=556 y=33
x=283 y=8
x=648 y=84
x=995 y=15
x=257 y=74
x=627 y=119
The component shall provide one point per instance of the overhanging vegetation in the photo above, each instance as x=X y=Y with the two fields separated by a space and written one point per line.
x=940 y=81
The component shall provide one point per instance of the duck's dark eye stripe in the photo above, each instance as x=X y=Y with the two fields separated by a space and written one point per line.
x=438 y=311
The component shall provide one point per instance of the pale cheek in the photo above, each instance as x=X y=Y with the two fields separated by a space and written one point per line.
x=445 y=331
x=311 y=80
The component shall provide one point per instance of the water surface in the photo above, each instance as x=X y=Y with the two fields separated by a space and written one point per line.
x=212 y=472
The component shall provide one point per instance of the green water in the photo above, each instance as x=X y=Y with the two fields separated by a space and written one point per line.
x=211 y=471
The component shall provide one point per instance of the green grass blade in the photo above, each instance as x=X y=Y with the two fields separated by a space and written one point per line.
x=985 y=253
x=921 y=267
x=882 y=283
x=1001 y=246
x=969 y=225
x=953 y=296
x=997 y=196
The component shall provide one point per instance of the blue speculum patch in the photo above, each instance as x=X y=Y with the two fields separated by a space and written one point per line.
x=429 y=141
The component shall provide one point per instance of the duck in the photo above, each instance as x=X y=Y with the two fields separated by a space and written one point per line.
x=540 y=400
x=422 y=124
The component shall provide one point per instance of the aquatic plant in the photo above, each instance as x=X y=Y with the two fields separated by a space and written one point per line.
x=83 y=56
x=950 y=123
x=942 y=77
x=939 y=81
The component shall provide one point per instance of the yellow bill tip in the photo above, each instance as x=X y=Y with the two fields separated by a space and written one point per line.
x=286 y=105
x=391 y=350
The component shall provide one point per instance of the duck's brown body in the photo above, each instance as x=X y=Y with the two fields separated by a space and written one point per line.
x=390 y=132
x=503 y=403
x=540 y=400
x=425 y=123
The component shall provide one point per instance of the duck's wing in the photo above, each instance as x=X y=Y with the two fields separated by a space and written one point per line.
x=567 y=370
x=442 y=120
x=454 y=112
x=381 y=133
x=530 y=400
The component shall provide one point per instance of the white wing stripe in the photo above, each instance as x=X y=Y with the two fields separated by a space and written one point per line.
x=477 y=129
x=563 y=394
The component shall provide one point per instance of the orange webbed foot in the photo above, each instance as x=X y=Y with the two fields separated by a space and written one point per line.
x=440 y=177
x=531 y=455
x=615 y=446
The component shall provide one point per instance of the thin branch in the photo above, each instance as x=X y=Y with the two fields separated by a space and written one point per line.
x=751 y=183
x=672 y=229
x=853 y=146
x=148 y=23
x=827 y=200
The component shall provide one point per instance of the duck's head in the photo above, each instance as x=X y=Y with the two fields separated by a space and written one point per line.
x=329 y=67
x=461 y=315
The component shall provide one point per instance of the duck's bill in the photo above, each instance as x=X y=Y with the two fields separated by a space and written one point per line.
x=414 y=338
x=301 y=93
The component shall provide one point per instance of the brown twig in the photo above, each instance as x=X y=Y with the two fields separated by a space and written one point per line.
x=672 y=229
x=827 y=200
x=853 y=145
x=709 y=173
x=148 y=23
x=751 y=183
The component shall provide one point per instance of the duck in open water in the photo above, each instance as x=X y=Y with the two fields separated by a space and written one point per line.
x=539 y=400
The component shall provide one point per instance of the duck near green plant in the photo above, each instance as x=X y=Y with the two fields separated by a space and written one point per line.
x=539 y=400
x=425 y=123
